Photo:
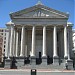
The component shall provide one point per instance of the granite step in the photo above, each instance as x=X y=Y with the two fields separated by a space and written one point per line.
x=43 y=66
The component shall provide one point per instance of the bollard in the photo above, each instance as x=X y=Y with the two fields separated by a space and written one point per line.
x=33 y=71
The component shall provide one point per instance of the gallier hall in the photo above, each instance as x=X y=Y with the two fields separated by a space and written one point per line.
x=39 y=36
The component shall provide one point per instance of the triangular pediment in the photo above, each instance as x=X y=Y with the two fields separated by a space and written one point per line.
x=39 y=11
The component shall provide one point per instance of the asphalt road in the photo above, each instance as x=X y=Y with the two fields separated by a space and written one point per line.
x=39 y=72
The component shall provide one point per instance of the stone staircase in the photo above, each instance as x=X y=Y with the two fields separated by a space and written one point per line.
x=51 y=66
x=20 y=65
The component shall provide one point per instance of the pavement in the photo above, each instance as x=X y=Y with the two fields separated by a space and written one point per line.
x=39 y=72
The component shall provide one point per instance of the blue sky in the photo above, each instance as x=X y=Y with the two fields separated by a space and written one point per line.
x=7 y=6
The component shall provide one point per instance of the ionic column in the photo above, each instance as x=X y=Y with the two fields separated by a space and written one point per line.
x=55 y=42
x=33 y=42
x=22 y=41
x=65 y=43
x=68 y=45
x=17 y=41
x=11 y=41
x=14 y=43
x=26 y=51
x=44 y=42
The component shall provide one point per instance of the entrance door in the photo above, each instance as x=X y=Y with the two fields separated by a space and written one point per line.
x=38 y=48
x=39 y=54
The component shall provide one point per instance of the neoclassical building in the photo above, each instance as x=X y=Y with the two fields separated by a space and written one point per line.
x=39 y=33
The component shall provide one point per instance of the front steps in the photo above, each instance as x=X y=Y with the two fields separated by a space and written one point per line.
x=20 y=63
x=43 y=66
x=61 y=67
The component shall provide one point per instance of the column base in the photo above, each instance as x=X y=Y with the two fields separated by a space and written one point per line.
x=44 y=60
x=69 y=64
x=21 y=55
x=65 y=57
x=7 y=63
x=55 y=60
x=20 y=62
x=33 y=60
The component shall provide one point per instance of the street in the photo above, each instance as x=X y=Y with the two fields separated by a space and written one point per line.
x=39 y=72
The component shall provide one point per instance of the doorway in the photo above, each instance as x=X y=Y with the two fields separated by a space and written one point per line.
x=38 y=46
x=39 y=54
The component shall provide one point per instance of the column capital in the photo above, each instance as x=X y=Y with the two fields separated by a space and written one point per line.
x=23 y=26
x=44 y=26
x=12 y=25
x=54 y=26
x=33 y=27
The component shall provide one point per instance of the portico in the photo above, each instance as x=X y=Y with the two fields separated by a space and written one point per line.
x=36 y=32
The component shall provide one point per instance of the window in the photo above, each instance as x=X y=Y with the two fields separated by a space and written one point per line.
x=1 y=33
x=5 y=38
x=2 y=30
x=4 y=46
x=4 y=42
x=5 y=34
x=4 y=50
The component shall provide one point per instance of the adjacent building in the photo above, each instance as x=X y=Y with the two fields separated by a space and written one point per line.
x=4 y=33
x=73 y=38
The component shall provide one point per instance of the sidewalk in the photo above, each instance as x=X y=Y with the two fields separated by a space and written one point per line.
x=38 y=70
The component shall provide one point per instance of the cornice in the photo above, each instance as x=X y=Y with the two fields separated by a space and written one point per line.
x=52 y=17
